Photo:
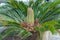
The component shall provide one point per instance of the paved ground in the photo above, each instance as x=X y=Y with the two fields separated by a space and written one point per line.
x=2 y=29
x=2 y=1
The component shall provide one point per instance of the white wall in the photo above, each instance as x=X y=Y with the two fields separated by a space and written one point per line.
x=49 y=36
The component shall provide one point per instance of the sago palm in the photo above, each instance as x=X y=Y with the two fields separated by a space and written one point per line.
x=29 y=19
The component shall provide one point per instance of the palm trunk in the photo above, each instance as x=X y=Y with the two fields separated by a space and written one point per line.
x=33 y=36
x=36 y=36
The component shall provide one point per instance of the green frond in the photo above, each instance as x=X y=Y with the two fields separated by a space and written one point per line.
x=50 y=25
x=13 y=30
x=19 y=5
x=14 y=14
x=50 y=7
x=47 y=9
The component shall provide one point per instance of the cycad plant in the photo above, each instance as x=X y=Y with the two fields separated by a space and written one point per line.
x=30 y=19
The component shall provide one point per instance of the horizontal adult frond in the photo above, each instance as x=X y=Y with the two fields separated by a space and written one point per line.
x=14 y=14
x=15 y=31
